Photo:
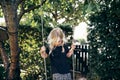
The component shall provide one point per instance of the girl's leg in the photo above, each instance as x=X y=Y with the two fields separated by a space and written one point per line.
x=57 y=76
x=67 y=76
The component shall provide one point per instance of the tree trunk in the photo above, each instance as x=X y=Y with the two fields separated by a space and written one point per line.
x=4 y=56
x=10 y=13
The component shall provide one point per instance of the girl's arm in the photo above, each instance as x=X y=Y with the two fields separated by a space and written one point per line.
x=43 y=52
x=70 y=52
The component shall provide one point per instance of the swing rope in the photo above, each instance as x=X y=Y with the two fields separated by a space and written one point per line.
x=73 y=61
x=44 y=45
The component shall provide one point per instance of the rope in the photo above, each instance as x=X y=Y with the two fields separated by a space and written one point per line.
x=73 y=61
x=43 y=45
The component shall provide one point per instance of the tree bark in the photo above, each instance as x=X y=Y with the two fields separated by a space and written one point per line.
x=10 y=13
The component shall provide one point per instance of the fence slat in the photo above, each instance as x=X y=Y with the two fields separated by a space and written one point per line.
x=81 y=59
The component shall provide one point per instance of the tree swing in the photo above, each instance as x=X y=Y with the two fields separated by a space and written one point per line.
x=43 y=43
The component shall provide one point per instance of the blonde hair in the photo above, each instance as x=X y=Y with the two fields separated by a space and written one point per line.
x=53 y=37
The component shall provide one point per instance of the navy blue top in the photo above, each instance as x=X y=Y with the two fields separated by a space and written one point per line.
x=59 y=60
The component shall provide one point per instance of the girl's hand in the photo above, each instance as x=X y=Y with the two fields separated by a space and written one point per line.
x=43 y=52
x=43 y=49
x=71 y=50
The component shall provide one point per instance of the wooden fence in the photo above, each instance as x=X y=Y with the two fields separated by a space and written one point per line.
x=80 y=58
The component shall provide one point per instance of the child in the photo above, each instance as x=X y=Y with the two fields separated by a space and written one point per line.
x=59 y=53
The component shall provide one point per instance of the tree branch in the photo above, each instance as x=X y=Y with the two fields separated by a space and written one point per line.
x=23 y=11
x=35 y=7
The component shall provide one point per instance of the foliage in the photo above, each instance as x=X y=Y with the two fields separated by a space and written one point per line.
x=104 y=38
x=71 y=11
x=67 y=29
x=90 y=6
x=1 y=14
x=2 y=73
x=30 y=40
x=82 y=41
